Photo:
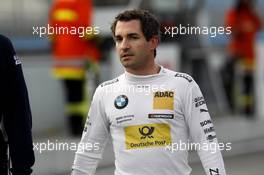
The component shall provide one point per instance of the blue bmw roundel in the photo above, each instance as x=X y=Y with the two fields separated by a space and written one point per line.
x=121 y=101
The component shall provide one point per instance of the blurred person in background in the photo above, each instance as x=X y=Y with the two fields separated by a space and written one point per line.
x=15 y=114
x=73 y=53
x=244 y=23
x=146 y=110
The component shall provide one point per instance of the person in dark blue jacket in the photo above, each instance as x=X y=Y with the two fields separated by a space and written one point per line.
x=15 y=113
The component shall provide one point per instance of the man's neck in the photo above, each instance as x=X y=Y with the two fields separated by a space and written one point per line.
x=155 y=69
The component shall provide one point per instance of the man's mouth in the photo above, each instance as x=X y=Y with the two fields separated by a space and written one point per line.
x=126 y=55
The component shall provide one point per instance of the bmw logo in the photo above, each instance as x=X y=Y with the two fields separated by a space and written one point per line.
x=121 y=101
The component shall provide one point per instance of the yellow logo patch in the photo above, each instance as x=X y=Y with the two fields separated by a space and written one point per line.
x=147 y=136
x=163 y=100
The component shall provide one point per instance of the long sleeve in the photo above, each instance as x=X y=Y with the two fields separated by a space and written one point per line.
x=16 y=110
x=94 y=139
x=201 y=131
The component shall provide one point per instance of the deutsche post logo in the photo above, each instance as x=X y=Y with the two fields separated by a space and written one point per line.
x=146 y=131
x=147 y=136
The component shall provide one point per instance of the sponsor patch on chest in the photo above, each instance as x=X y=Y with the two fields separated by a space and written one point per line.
x=147 y=136
x=163 y=100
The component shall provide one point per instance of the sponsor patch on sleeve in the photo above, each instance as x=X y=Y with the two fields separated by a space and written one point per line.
x=185 y=76
x=199 y=101
x=214 y=171
x=17 y=60
x=109 y=82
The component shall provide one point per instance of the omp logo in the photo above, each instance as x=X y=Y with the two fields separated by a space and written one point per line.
x=163 y=100
x=147 y=136
x=146 y=131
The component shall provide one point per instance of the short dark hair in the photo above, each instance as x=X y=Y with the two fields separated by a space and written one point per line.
x=150 y=26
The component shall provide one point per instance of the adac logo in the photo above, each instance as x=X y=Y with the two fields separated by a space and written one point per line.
x=163 y=100
x=121 y=101
x=146 y=131
x=164 y=94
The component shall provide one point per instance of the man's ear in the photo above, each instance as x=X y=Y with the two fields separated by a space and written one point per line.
x=154 y=41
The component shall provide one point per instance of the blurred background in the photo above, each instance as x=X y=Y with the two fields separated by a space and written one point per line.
x=235 y=101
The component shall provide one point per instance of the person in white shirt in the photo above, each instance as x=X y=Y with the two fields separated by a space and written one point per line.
x=147 y=111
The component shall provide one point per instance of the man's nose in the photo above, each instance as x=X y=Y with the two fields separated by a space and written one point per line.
x=125 y=44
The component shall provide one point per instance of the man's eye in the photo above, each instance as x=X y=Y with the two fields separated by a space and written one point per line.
x=118 y=39
x=134 y=37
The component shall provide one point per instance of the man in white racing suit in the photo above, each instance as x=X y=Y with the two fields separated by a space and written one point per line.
x=148 y=111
